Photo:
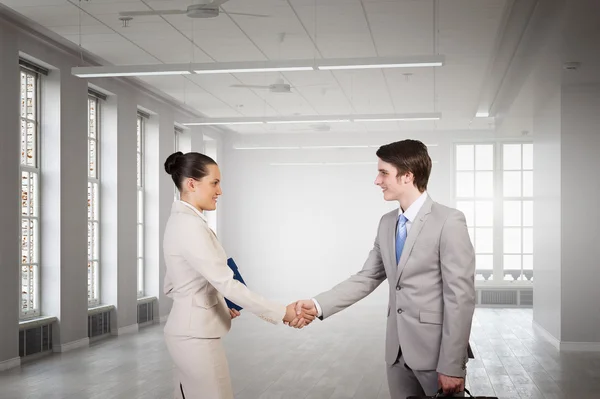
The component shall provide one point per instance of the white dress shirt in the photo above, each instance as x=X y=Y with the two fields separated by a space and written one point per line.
x=410 y=214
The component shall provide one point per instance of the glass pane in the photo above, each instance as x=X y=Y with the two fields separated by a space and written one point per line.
x=140 y=195
x=484 y=157
x=92 y=158
x=25 y=258
x=512 y=184
x=527 y=213
x=140 y=275
x=465 y=157
x=512 y=240
x=31 y=144
x=90 y=241
x=139 y=135
x=512 y=262
x=512 y=156
x=23 y=95
x=465 y=184
x=31 y=97
x=468 y=208
x=89 y=280
x=512 y=213
x=484 y=240
x=527 y=262
x=528 y=156
x=25 y=193
x=140 y=234
x=527 y=184
x=484 y=262
x=95 y=201
x=484 y=184
x=33 y=241
x=96 y=241
x=23 y=142
x=139 y=169
x=92 y=115
x=484 y=213
x=25 y=287
x=528 y=241
x=90 y=203
x=33 y=195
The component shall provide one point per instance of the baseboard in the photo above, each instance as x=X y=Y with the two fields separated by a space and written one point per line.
x=546 y=335
x=10 y=363
x=132 y=329
x=82 y=343
x=580 y=346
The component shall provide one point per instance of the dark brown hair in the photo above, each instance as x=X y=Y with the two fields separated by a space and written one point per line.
x=181 y=166
x=408 y=156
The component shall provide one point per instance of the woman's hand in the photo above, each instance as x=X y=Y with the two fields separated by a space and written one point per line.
x=234 y=313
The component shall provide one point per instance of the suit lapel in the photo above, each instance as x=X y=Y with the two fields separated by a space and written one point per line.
x=415 y=229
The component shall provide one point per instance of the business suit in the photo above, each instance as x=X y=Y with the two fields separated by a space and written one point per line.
x=431 y=297
x=197 y=280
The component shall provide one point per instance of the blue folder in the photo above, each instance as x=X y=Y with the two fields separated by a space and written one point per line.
x=237 y=276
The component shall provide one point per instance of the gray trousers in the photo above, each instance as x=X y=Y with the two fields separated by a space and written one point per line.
x=404 y=382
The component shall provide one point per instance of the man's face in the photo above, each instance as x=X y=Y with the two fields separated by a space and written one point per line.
x=392 y=185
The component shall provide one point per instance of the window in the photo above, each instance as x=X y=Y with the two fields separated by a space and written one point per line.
x=93 y=201
x=517 y=187
x=176 y=146
x=140 y=200
x=475 y=198
x=494 y=191
x=30 y=194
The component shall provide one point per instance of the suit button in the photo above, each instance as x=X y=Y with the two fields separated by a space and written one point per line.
x=400 y=311
x=397 y=288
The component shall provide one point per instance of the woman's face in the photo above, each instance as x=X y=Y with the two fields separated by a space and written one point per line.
x=203 y=193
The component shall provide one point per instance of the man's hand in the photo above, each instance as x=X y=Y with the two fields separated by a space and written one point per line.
x=305 y=313
x=234 y=313
x=298 y=319
x=451 y=385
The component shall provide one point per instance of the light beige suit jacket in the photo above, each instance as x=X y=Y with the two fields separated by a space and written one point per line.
x=431 y=289
x=198 y=279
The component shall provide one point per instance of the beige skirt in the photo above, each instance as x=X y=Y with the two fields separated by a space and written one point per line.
x=201 y=369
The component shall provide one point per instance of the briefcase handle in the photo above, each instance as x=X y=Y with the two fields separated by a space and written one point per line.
x=440 y=394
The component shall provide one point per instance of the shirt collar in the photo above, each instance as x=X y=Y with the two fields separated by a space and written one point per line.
x=194 y=209
x=411 y=213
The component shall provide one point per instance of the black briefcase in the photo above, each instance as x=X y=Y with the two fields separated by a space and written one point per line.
x=441 y=395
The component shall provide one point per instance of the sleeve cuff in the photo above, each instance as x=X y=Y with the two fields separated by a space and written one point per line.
x=319 y=311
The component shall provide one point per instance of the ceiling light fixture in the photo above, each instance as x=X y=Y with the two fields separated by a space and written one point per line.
x=303 y=119
x=259 y=66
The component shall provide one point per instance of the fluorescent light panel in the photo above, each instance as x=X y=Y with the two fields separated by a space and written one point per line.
x=317 y=119
x=259 y=66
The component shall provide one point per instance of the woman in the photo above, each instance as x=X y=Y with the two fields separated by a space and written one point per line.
x=198 y=279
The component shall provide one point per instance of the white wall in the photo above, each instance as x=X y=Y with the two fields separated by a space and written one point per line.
x=64 y=214
x=295 y=231
x=580 y=192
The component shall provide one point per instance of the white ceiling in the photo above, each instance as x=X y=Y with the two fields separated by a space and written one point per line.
x=467 y=31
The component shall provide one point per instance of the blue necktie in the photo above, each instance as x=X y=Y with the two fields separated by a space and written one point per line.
x=400 y=236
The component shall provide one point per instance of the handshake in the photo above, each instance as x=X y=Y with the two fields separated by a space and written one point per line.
x=300 y=313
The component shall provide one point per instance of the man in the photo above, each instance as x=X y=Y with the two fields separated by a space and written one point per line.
x=424 y=251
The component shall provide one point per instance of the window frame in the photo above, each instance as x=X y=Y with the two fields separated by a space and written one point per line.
x=496 y=278
x=96 y=213
x=141 y=203
x=36 y=176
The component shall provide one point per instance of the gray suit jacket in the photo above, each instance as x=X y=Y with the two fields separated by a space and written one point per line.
x=431 y=290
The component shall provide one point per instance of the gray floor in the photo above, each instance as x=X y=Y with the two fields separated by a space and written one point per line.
x=339 y=358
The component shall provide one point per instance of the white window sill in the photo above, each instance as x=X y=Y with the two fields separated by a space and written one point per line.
x=146 y=299
x=99 y=309
x=36 y=322
x=503 y=284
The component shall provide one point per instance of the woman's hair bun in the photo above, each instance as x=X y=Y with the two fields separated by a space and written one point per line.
x=172 y=161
